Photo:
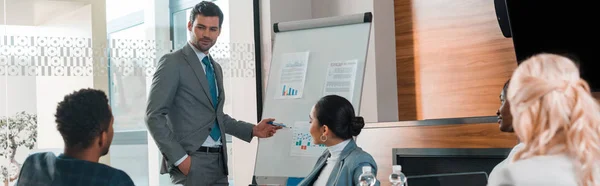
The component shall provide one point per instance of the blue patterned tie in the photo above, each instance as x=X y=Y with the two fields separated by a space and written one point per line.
x=215 y=133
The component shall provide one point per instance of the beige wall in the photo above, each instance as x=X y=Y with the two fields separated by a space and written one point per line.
x=98 y=23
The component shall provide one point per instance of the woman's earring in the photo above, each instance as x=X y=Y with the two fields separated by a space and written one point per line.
x=323 y=138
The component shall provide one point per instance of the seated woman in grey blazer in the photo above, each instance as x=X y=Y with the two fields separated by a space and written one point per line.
x=334 y=124
x=556 y=119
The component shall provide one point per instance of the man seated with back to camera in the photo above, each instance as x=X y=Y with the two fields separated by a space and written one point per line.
x=85 y=121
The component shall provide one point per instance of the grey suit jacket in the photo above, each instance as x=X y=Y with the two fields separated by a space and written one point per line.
x=347 y=170
x=180 y=113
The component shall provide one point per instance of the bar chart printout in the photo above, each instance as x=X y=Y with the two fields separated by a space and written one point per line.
x=302 y=143
x=293 y=75
x=289 y=91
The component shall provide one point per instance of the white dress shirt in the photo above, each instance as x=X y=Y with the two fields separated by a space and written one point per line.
x=209 y=142
x=335 y=152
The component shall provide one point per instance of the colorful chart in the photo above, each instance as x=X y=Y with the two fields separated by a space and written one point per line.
x=288 y=91
x=302 y=142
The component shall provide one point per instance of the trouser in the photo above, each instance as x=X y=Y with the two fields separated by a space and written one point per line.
x=207 y=169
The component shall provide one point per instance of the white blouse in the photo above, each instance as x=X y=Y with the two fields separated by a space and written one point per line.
x=335 y=152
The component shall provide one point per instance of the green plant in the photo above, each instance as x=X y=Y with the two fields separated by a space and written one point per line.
x=17 y=131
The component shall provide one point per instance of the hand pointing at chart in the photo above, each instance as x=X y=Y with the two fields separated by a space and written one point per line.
x=265 y=130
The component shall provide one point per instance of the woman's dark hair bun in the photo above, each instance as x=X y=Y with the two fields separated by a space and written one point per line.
x=338 y=114
x=358 y=123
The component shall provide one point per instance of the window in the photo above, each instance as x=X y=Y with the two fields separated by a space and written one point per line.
x=42 y=58
x=51 y=48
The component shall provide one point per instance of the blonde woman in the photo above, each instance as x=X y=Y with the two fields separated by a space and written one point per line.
x=557 y=120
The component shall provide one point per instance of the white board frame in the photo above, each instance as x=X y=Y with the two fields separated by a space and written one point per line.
x=331 y=39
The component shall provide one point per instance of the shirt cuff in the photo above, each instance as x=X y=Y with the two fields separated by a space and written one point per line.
x=178 y=162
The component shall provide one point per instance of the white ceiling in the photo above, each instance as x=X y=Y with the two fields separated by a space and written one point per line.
x=36 y=12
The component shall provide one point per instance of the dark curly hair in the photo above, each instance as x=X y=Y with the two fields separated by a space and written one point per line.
x=82 y=116
x=208 y=9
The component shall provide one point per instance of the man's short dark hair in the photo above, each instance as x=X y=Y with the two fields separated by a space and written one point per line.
x=82 y=116
x=208 y=9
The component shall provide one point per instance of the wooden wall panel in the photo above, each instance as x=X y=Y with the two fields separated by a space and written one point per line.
x=379 y=139
x=452 y=62
x=405 y=61
x=461 y=59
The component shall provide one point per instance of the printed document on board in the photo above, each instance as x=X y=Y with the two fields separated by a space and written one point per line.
x=292 y=75
x=341 y=76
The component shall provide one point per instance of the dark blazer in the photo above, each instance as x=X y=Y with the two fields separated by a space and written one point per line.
x=347 y=170
x=45 y=169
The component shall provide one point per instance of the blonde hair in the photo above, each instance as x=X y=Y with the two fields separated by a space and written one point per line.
x=554 y=112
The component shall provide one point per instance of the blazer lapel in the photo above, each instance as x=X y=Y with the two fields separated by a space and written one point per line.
x=335 y=174
x=194 y=62
x=348 y=149
x=311 y=178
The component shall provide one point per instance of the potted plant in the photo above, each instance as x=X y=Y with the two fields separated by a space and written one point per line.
x=15 y=132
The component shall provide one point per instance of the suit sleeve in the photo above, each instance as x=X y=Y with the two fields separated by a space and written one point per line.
x=162 y=92
x=239 y=129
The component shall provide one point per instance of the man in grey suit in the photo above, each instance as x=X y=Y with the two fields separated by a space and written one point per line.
x=185 y=109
